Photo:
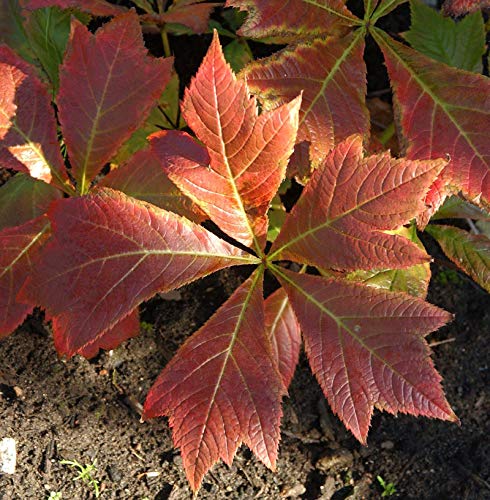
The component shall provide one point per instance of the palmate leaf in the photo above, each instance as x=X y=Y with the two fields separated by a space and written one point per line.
x=27 y=123
x=109 y=253
x=248 y=154
x=331 y=74
x=142 y=177
x=108 y=85
x=444 y=112
x=23 y=198
x=20 y=247
x=366 y=348
x=222 y=387
x=340 y=218
x=470 y=252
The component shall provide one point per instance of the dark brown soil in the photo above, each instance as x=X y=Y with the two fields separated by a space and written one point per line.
x=87 y=412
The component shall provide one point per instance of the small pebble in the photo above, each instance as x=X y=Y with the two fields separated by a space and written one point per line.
x=387 y=445
x=293 y=491
x=8 y=456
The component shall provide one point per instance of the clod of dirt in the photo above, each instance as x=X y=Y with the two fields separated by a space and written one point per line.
x=334 y=461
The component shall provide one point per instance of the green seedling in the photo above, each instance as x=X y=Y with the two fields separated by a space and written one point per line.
x=85 y=474
x=388 y=488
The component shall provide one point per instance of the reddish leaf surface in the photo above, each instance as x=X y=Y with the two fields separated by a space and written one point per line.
x=248 y=153
x=332 y=76
x=470 y=252
x=192 y=14
x=462 y=7
x=125 y=329
x=108 y=85
x=94 y=7
x=444 y=112
x=285 y=334
x=109 y=253
x=23 y=198
x=20 y=248
x=222 y=387
x=142 y=177
x=366 y=348
x=30 y=144
x=287 y=19
x=342 y=213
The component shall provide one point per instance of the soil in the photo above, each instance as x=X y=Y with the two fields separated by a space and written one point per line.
x=89 y=411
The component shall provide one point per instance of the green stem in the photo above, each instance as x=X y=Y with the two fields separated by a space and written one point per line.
x=166 y=43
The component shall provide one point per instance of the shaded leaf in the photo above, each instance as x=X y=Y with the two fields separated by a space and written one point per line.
x=23 y=198
x=94 y=7
x=130 y=249
x=284 y=332
x=444 y=112
x=248 y=154
x=142 y=177
x=18 y=258
x=222 y=387
x=366 y=348
x=470 y=252
x=125 y=329
x=238 y=54
x=11 y=29
x=413 y=280
x=456 y=208
x=350 y=200
x=31 y=143
x=332 y=76
x=48 y=30
x=461 y=7
x=108 y=85
x=458 y=44
x=286 y=19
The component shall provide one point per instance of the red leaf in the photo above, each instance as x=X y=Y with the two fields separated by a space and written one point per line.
x=284 y=332
x=193 y=14
x=94 y=7
x=125 y=329
x=23 y=198
x=108 y=85
x=332 y=75
x=30 y=144
x=342 y=213
x=366 y=348
x=444 y=112
x=18 y=258
x=109 y=253
x=248 y=153
x=142 y=177
x=462 y=7
x=222 y=389
x=289 y=18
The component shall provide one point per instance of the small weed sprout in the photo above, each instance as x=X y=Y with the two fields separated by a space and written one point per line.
x=388 y=488
x=85 y=474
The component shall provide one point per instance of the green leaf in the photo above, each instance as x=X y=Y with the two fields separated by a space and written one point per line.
x=48 y=30
x=459 y=44
x=11 y=30
x=413 y=280
x=470 y=252
x=238 y=54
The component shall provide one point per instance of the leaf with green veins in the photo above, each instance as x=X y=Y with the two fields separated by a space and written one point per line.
x=384 y=7
x=222 y=387
x=23 y=198
x=121 y=83
x=443 y=112
x=343 y=214
x=459 y=44
x=48 y=30
x=470 y=252
x=12 y=31
x=413 y=280
x=366 y=348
